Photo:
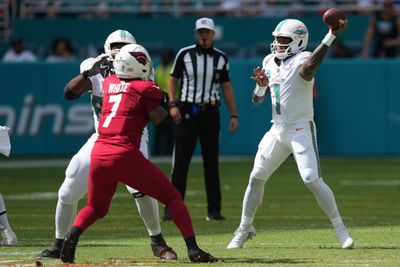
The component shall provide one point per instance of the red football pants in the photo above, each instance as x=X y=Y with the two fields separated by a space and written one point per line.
x=136 y=171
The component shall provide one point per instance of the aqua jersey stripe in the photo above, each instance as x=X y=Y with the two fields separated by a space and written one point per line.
x=277 y=98
x=314 y=142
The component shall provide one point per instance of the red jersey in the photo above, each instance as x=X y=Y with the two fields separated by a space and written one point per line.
x=124 y=114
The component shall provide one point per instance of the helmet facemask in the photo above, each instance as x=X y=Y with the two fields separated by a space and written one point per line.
x=114 y=49
x=282 y=51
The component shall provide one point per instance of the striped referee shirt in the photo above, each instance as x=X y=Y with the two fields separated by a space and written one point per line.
x=200 y=72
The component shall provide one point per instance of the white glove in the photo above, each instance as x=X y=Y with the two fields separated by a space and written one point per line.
x=94 y=66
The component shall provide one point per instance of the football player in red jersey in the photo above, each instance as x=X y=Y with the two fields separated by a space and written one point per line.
x=130 y=101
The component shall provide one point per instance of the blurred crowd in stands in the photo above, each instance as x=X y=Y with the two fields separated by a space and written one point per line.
x=150 y=8
x=381 y=37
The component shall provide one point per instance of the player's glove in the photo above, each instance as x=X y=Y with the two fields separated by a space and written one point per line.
x=97 y=65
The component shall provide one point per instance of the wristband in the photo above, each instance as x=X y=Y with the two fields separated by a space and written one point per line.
x=85 y=74
x=328 y=39
x=172 y=104
x=235 y=116
x=260 y=90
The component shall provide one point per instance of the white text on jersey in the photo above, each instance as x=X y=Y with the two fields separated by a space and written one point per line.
x=116 y=88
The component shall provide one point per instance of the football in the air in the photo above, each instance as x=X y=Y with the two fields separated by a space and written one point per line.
x=332 y=16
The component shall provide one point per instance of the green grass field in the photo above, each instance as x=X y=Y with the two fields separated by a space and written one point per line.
x=291 y=229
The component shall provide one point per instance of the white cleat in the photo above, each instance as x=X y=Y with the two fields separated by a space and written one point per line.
x=8 y=237
x=346 y=242
x=242 y=234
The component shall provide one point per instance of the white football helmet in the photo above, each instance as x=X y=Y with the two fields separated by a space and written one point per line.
x=118 y=36
x=297 y=31
x=132 y=61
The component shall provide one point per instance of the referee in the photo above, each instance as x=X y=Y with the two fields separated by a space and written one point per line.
x=200 y=69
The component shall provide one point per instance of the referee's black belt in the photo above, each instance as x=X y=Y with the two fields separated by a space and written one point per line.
x=200 y=106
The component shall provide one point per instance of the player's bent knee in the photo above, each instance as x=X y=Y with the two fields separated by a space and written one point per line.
x=259 y=174
x=100 y=212
x=67 y=196
x=255 y=182
x=309 y=176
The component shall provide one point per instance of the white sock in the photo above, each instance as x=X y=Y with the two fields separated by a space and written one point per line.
x=148 y=210
x=65 y=215
x=3 y=217
x=252 y=199
x=326 y=201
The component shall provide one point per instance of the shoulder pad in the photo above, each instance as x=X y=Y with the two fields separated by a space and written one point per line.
x=147 y=89
x=302 y=57
x=267 y=59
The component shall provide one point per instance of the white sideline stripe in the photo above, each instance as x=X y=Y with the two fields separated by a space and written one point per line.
x=371 y=182
x=34 y=196
x=41 y=163
x=18 y=253
x=54 y=195
x=22 y=164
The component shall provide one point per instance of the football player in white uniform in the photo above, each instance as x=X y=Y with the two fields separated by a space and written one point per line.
x=8 y=237
x=288 y=75
x=75 y=186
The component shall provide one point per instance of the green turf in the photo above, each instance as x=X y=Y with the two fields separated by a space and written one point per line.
x=291 y=229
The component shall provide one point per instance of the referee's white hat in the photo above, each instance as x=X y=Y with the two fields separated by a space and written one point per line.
x=205 y=23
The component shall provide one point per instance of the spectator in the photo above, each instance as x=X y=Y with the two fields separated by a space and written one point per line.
x=164 y=142
x=62 y=51
x=230 y=8
x=384 y=27
x=201 y=69
x=18 y=52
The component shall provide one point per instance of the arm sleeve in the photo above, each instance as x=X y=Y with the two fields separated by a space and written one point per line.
x=179 y=64
x=152 y=98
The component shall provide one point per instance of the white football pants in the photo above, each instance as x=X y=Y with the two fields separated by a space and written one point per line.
x=75 y=187
x=277 y=144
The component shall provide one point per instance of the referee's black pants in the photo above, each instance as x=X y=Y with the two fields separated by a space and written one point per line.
x=206 y=126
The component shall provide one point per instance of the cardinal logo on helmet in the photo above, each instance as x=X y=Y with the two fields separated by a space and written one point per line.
x=140 y=57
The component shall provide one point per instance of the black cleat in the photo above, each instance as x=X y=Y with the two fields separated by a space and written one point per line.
x=68 y=249
x=215 y=216
x=52 y=252
x=198 y=255
x=161 y=249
